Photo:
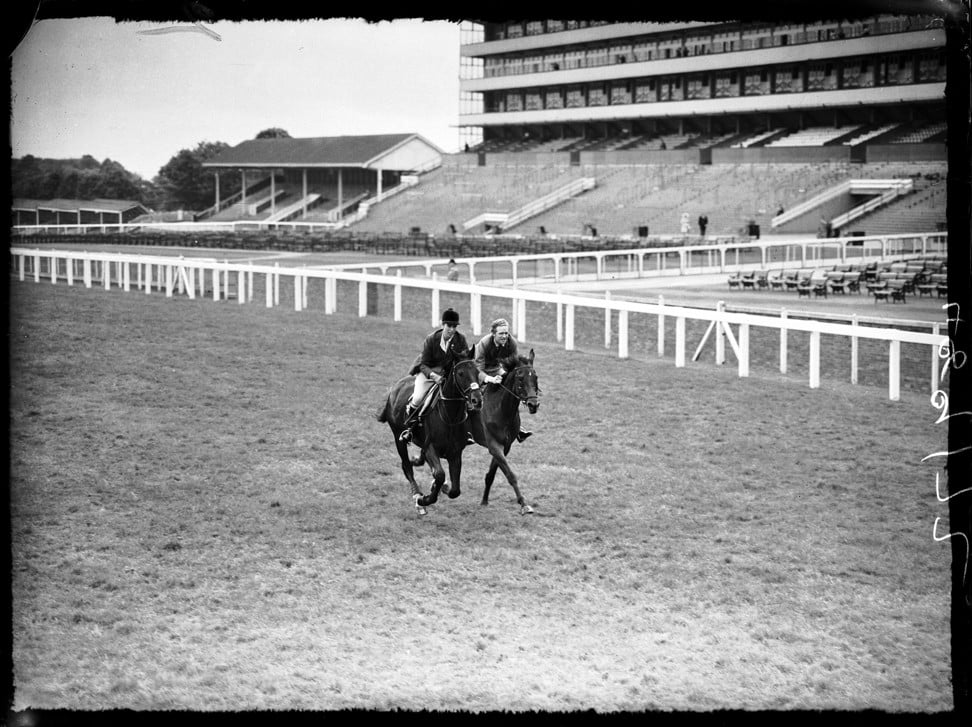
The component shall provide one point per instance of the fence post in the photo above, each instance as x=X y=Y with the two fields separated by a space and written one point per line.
x=36 y=268
x=148 y=278
x=169 y=283
x=560 y=321
x=743 y=349
x=330 y=295
x=106 y=274
x=815 y=359
x=680 y=341
x=854 y=350
x=249 y=283
x=53 y=269
x=569 y=328
x=21 y=267
x=661 y=326
x=720 y=335
x=894 y=371
x=607 y=317
x=622 y=334
x=276 y=284
x=783 y=341
x=240 y=286
x=126 y=276
x=69 y=270
x=268 y=290
x=436 y=316
x=362 y=299
x=304 y=285
x=298 y=295
x=476 y=313
x=397 y=295
x=215 y=284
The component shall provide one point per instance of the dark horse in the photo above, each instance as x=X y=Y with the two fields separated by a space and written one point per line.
x=497 y=424
x=444 y=425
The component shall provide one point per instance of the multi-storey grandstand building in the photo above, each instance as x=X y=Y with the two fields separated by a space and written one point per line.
x=566 y=85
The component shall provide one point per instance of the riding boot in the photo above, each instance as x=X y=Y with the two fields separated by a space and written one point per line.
x=406 y=435
x=522 y=435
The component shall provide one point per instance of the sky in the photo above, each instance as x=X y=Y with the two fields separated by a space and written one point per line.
x=108 y=89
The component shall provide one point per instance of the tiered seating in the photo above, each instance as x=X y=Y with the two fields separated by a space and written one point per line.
x=812 y=136
x=920 y=134
x=864 y=136
x=756 y=138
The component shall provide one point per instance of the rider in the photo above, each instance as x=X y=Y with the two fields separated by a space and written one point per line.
x=495 y=354
x=439 y=346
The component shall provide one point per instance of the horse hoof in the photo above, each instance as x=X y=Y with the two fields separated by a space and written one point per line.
x=452 y=493
x=447 y=489
x=484 y=504
x=526 y=510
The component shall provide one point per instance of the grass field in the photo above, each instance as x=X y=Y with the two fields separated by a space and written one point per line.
x=206 y=516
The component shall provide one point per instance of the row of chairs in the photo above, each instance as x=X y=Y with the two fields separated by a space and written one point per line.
x=883 y=284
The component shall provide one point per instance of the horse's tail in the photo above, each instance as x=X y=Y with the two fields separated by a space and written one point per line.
x=381 y=414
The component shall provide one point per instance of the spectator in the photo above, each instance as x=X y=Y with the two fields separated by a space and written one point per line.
x=684 y=223
x=453 y=273
x=779 y=211
x=703 y=223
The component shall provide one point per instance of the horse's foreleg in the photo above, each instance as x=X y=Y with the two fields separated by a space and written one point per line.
x=499 y=459
x=455 y=471
x=490 y=476
x=438 y=477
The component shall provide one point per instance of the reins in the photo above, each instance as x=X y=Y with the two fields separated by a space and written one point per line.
x=443 y=397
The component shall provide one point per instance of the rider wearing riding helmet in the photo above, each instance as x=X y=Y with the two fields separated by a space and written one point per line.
x=441 y=346
x=495 y=355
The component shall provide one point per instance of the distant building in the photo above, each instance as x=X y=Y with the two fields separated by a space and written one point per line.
x=75 y=211
x=321 y=177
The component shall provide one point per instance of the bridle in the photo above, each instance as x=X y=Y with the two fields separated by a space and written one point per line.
x=518 y=397
x=473 y=386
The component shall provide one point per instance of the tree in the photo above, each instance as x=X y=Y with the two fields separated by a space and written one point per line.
x=186 y=184
x=273 y=133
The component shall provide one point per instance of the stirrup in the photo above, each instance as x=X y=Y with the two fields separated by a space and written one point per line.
x=406 y=436
x=522 y=435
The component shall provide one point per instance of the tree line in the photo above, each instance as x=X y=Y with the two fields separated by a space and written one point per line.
x=181 y=183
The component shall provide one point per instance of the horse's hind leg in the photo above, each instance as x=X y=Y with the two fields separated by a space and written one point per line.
x=409 y=471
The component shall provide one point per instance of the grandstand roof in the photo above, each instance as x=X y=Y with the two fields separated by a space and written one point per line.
x=73 y=205
x=326 y=151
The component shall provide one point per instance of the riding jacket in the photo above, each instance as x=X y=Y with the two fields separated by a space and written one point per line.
x=433 y=358
x=490 y=358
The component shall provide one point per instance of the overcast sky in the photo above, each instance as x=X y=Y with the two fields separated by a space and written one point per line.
x=95 y=86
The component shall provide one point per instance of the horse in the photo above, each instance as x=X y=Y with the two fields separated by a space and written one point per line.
x=496 y=425
x=443 y=431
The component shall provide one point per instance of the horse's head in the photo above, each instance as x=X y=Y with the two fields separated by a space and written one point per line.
x=464 y=378
x=523 y=383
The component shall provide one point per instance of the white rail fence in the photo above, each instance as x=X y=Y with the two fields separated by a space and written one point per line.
x=188 y=276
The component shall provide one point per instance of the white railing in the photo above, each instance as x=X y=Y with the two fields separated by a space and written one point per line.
x=720 y=257
x=407 y=181
x=851 y=186
x=188 y=275
x=293 y=208
x=548 y=201
x=902 y=187
x=507 y=220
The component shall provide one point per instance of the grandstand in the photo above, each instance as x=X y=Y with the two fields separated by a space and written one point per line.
x=620 y=129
